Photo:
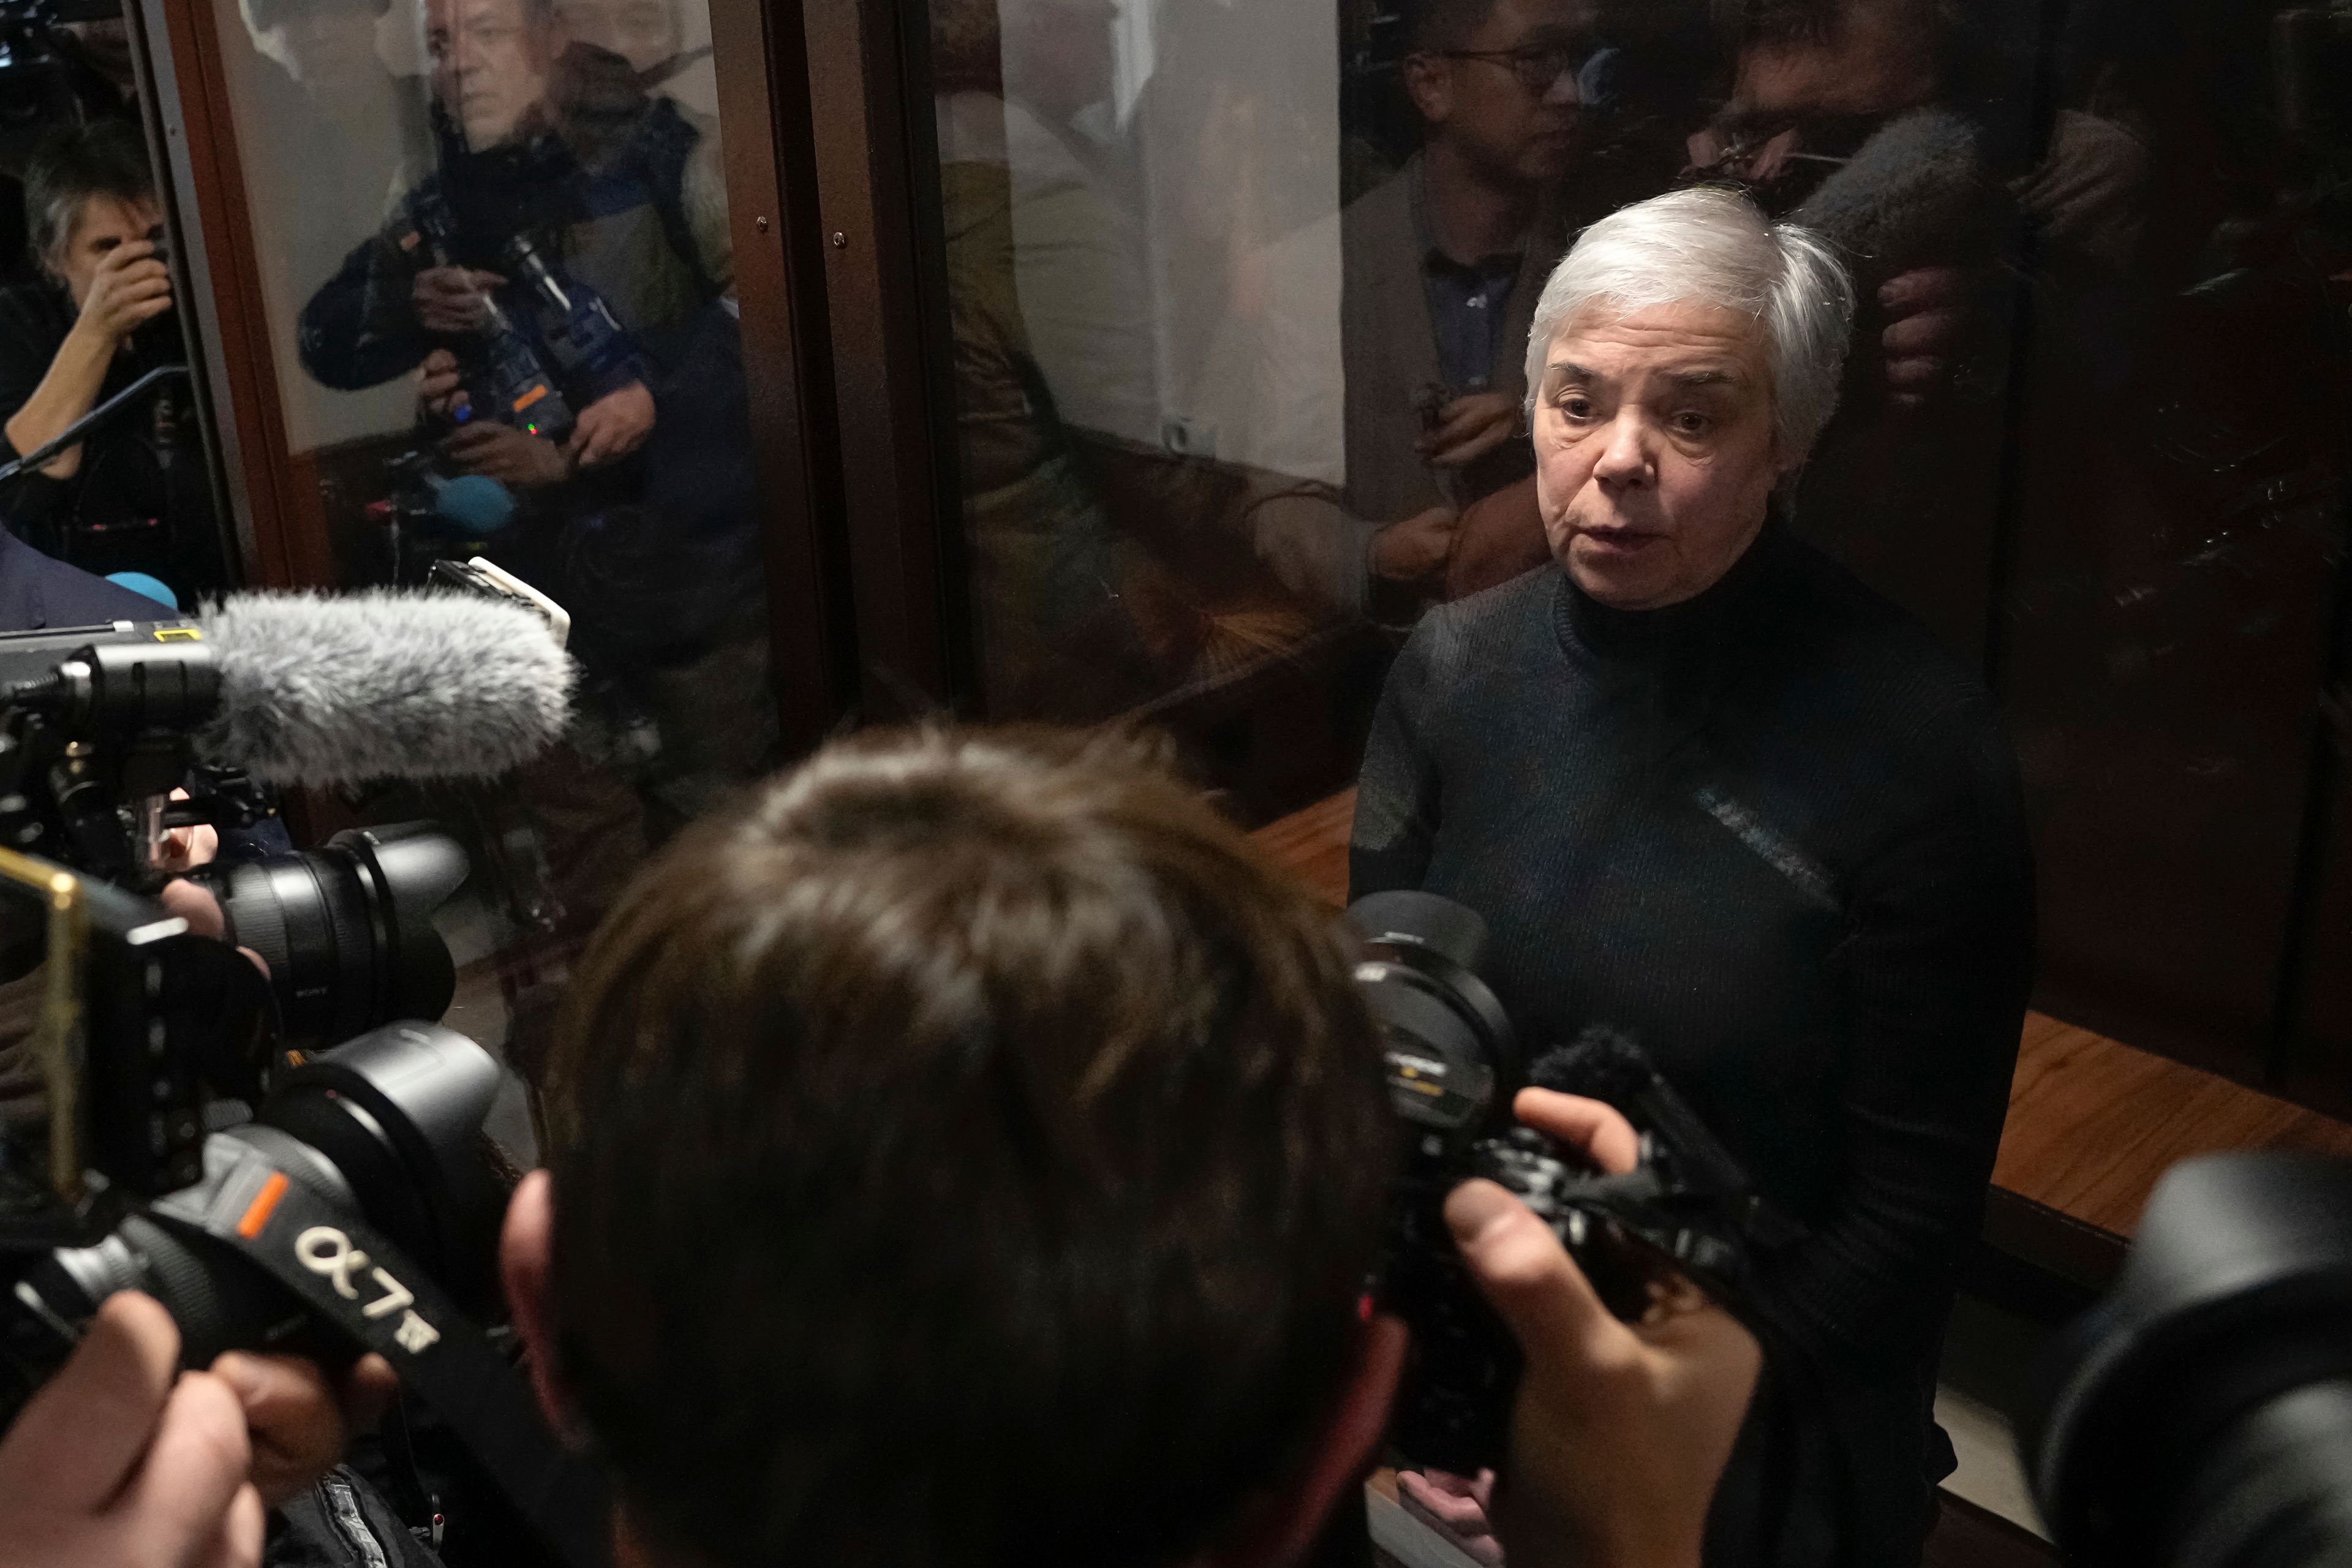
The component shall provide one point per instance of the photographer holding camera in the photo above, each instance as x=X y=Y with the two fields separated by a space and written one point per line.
x=971 y=1153
x=968 y=1153
x=132 y=495
x=123 y=1461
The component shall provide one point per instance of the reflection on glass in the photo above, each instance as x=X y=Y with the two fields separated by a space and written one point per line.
x=91 y=323
x=1240 y=297
x=509 y=328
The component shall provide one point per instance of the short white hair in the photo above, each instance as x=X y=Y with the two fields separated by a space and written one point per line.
x=1711 y=246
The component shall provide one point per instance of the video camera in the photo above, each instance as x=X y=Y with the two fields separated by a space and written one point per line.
x=357 y=1210
x=97 y=729
x=1455 y=1064
x=554 y=345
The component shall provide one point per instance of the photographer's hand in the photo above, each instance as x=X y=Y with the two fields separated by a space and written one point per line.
x=1621 y=1431
x=453 y=299
x=440 y=389
x=1925 y=312
x=296 y=1419
x=185 y=848
x=202 y=911
x=516 y=459
x=1468 y=428
x=122 y=1462
x=1456 y=1507
x=613 y=426
x=130 y=288
x=1416 y=548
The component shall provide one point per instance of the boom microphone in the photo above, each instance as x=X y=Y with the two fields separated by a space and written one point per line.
x=381 y=685
x=1917 y=192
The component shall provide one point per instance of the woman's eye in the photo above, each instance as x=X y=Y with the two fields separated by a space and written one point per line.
x=1575 y=407
x=1690 y=423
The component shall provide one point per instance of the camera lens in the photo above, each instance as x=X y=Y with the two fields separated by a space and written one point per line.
x=387 y=1126
x=1450 y=1050
x=397 y=1114
x=347 y=930
x=2203 y=1413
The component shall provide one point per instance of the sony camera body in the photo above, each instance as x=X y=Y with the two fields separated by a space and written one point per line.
x=357 y=1209
x=1454 y=1063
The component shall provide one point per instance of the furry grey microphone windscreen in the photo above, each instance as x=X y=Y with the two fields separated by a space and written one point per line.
x=330 y=690
x=1916 y=190
x=1600 y=1064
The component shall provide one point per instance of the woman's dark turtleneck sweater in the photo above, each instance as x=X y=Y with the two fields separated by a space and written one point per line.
x=1773 y=834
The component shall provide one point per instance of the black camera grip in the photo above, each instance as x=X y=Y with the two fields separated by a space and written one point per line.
x=354 y=1277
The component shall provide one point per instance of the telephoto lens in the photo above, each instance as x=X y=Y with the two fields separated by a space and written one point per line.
x=347 y=931
x=2200 y=1416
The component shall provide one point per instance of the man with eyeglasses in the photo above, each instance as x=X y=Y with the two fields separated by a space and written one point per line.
x=1443 y=262
x=1895 y=129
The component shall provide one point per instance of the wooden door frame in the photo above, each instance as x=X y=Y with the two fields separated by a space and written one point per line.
x=876 y=168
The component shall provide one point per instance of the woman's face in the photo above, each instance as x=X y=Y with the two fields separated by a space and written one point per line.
x=103 y=223
x=1654 y=452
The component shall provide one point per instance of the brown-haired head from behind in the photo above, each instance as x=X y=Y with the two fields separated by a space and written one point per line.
x=970 y=1154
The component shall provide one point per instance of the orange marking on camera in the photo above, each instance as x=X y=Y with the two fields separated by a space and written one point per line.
x=263 y=1205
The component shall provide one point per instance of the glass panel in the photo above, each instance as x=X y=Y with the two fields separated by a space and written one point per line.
x=496 y=260
x=1142 y=212
x=1240 y=295
x=88 y=330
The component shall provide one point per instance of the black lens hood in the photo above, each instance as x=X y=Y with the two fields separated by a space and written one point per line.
x=398 y=1112
x=2238 y=1291
x=1435 y=946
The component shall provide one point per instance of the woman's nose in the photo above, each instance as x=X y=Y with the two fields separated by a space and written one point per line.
x=1625 y=459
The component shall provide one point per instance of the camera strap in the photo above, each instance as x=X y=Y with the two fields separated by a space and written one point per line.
x=351 y=1275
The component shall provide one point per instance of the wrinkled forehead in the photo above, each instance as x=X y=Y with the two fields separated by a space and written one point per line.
x=1694 y=339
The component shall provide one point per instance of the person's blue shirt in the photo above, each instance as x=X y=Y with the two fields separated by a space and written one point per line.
x=1465 y=310
x=38 y=592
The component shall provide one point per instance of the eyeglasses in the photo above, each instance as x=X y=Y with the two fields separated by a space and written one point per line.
x=1537 y=66
x=1830 y=139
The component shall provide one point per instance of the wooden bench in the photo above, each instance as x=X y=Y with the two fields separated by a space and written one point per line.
x=2092 y=1123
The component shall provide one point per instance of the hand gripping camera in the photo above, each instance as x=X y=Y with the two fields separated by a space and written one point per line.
x=1453 y=1065
x=357 y=1210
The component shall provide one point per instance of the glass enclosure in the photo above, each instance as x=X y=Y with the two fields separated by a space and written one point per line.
x=1240 y=296
x=498 y=284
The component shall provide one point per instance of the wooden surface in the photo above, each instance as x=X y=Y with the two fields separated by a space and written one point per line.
x=2092 y=1122
x=1312 y=844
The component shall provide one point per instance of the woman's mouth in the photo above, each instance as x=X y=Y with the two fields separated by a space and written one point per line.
x=1617 y=541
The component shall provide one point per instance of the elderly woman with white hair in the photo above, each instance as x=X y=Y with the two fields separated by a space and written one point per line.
x=1707 y=789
